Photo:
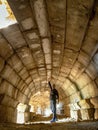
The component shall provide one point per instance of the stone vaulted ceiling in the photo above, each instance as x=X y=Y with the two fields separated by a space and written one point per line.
x=53 y=40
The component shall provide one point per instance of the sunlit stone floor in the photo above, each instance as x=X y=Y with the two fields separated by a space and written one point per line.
x=63 y=120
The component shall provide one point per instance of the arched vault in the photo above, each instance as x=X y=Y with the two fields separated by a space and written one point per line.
x=52 y=40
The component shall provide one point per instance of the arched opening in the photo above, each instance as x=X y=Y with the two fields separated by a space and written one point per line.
x=40 y=107
x=23 y=113
x=40 y=103
x=20 y=113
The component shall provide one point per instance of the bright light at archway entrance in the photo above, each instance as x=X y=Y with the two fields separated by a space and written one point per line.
x=20 y=113
x=6 y=15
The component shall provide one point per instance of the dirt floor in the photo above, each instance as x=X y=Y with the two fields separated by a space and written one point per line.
x=46 y=125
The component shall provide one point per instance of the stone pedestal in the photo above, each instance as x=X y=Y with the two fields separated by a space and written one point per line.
x=26 y=116
x=96 y=114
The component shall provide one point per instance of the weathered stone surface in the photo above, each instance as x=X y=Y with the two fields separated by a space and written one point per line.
x=67 y=84
x=1 y=64
x=89 y=44
x=85 y=104
x=8 y=73
x=56 y=11
x=91 y=70
x=58 y=34
x=87 y=114
x=28 y=80
x=83 y=58
x=41 y=17
x=46 y=45
x=27 y=91
x=0 y=80
x=77 y=22
x=53 y=41
x=83 y=80
x=5 y=49
x=8 y=101
x=7 y=88
x=16 y=63
x=7 y=114
x=24 y=73
x=26 y=57
x=76 y=97
x=14 y=36
x=94 y=101
x=96 y=113
x=22 y=98
x=77 y=69
x=20 y=84
x=28 y=23
x=23 y=13
x=90 y=90
x=96 y=81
